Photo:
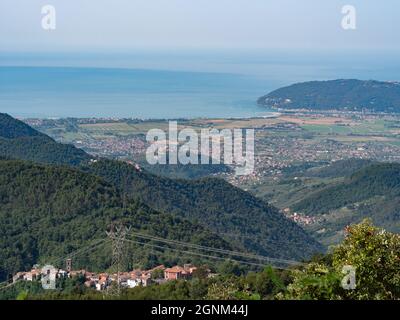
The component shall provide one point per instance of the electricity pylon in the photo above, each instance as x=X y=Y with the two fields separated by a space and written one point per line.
x=117 y=234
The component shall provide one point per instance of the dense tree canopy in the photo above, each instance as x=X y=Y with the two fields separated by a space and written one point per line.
x=342 y=94
x=48 y=212
x=372 y=252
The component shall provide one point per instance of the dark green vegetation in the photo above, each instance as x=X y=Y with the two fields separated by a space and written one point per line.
x=351 y=95
x=373 y=191
x=372 y=252
x=190 y=171
x=50 y=211
x=341 y=168
x=374 y=180
x=19 y=141
x=11 y=129
x=42 y=150
x=179 y=171
x=218 y=206
x=254 y=285
x=374 y=255
x=339 y=194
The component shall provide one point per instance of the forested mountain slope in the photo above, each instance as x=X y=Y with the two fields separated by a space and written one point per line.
x=342 y=94
x=213 y=203
x=374 y=180
x=49 y=211
x=20 y=141
x=371 y=192
x=217 y=205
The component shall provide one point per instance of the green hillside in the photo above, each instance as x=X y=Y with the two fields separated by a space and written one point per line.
x=374 y=180
x=42 y=150
x=48 y=212
x=340 y=168
x=340 y=94
x=372 y=192
x=20 y=141
x=11 y=128
x=181 y=171
x=218 y=206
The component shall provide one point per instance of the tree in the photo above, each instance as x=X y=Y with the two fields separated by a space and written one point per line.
x=315 y=282
x=372 y=252
x=230 y=289
x=375 y=255
x=267 y=283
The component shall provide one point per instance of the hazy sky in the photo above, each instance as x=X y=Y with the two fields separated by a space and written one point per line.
x=129 y=24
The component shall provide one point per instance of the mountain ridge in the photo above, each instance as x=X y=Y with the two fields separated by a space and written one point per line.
x=371 y=192
x=341 y=94
x=50 y=211
x=213 y=203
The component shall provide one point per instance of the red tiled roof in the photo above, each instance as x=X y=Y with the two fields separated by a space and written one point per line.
x=175 y=269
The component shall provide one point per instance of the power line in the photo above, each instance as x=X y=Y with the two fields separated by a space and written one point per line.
x=80 y=251
x=194 y=253
x=117 y=237
x=252 y=237
x=223 y=251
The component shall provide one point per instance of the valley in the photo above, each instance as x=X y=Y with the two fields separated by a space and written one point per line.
x=60 y=187
x=297 y=154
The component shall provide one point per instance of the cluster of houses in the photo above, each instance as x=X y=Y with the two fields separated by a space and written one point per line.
x=299 y=218
x=48 y=275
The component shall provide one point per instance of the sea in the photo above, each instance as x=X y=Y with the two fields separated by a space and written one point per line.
x=173 y=84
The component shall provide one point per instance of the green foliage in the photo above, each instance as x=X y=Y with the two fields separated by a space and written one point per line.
x=340 y=168
x=267 y=283
x=372 y=252
x=218 y=206
x=11 y=128
x=48 y=212
x=180 y=171
x=253 y=286
x=231 y=268
x=249 y=223
x=315 y=282
x=373 y=191
x=42 y=150
x=21 y=291
x=20 y=141
x=377 y=179
x=23 y=295
x=230 y=289
x=375 y=254
x=341 y=94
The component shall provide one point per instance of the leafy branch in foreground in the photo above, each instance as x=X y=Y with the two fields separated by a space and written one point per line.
x=372 y=252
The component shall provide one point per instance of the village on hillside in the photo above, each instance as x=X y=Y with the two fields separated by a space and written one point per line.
x=48 y=276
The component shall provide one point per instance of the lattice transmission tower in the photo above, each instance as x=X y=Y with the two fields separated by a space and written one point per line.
x=117 y=234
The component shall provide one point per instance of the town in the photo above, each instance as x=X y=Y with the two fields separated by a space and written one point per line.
x=281 y=141
x=48 y=276
x=284 y=142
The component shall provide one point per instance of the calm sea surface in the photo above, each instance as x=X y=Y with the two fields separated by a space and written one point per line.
x=171 y=85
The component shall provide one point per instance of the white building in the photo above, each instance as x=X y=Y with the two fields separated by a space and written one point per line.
x=132 y=283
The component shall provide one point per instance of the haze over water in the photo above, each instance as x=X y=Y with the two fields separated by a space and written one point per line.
x=169 y=84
